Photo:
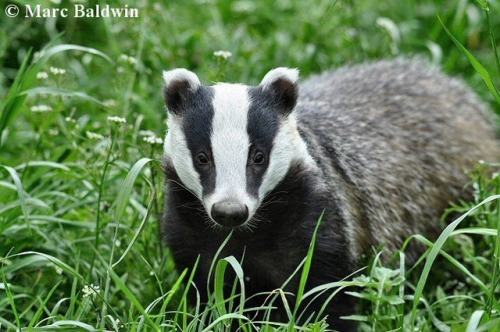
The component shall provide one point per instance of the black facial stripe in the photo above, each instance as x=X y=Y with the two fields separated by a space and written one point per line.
x=262 y=127
x=197 y=125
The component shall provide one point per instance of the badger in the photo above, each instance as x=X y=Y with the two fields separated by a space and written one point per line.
x=377 y=151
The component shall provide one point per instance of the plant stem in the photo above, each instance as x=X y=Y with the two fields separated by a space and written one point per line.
x=495 y=277
x=99 y=200
x=492 y=37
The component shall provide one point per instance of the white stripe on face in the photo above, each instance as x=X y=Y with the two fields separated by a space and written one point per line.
x=230 y=145
x=288 y=146
x=177 y=150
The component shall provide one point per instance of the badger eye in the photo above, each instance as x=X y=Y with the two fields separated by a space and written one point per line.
x=259 y=158
x=202 y=158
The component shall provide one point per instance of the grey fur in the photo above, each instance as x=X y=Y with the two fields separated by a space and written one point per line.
x=404 y=135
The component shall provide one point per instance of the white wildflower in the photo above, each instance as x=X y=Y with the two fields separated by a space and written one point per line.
x=243 y=6
x=128 y=59
x=146 y=133
x=475 y=187
x=153 y=140
x=53 y=132
x=90 y=290
x=41 y=108
x=223 y=54
x=57 y=71
x=115 y=322
x=38 y=55
x=117 y=119
x=42 y=75
x=109 y=103
x=95 y=136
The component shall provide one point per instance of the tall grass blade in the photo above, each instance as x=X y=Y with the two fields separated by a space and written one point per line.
x=491 y=326
x=138 y=232
x=43 y=305
x=492 y=33
x=11 y=300
x=477 y=231
x=128 y=293
x=183 y=305
x=126 y=188
x=436 y=248
x=220 y=319
x=216 y=258
x=307 y=267
x=474 y=321
x=475 y=63
x=220 y=272
x=11 y=105
x=47 y=53
x=171 y=293
x=70 y=325
x=60 y=93
x=455 y=262
x=44 y=163
x=54 y=260
x=20 y=192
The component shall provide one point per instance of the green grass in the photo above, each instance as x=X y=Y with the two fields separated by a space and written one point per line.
x=80 y=195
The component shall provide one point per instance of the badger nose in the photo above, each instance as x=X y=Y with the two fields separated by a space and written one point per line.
x=229 y=213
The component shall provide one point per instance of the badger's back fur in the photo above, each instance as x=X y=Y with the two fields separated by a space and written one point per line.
x=382 y=149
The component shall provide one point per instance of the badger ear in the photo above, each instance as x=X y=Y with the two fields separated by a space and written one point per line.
x=180 y=84
x=281 y=84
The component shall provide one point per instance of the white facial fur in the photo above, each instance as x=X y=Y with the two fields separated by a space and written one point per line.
x=288 y=146
x=230 y=146
x=175 y=146
x=177 y=150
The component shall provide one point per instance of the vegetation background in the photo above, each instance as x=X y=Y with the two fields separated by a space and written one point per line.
x=81 y=190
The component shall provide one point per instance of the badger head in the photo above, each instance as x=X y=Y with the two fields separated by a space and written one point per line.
x=232 y=144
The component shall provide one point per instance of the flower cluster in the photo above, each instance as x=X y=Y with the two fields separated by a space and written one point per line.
x=109 y=103
x=42 y=75
x=117 y=119
x=153 y=140
x=128 y=59
x=90 y=290
x=150 y=137
x=223 y=54
x=95 y=136
x=57 y=71
x=40 y=109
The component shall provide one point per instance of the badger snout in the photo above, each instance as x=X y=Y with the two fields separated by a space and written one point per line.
x=229 y=213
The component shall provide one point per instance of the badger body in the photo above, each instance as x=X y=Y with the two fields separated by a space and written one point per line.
x=377 y=151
